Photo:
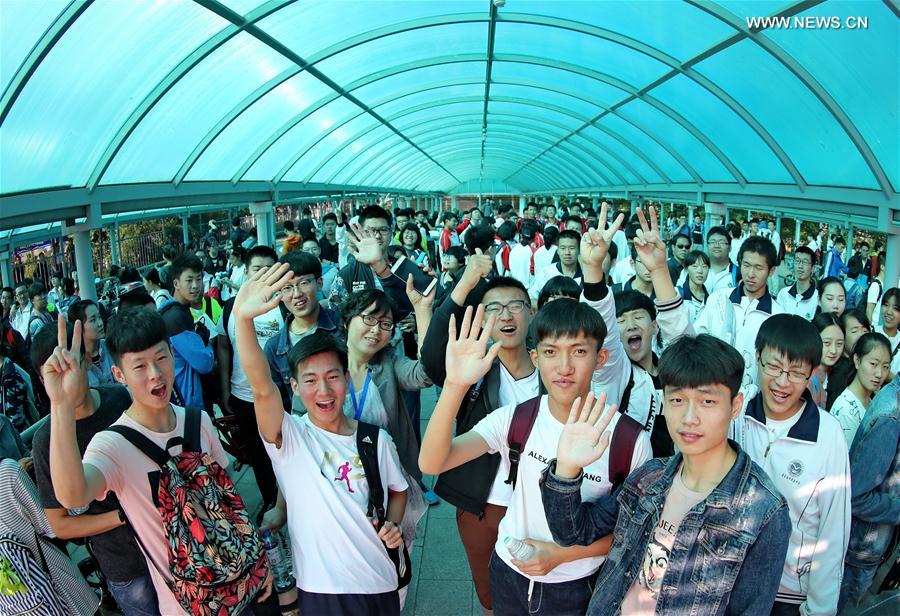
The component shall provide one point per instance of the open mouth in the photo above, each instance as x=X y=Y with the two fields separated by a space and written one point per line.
x=779 y=397
x=508 y=330
x=161 y=392
x=372 y=339
x=326 y=406
x=634 y=343
x=300 y=305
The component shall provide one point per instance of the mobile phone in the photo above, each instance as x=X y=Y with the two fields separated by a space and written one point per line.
x=422 y=282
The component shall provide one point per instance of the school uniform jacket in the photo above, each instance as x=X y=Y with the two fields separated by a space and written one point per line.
x=802 y=304
x=811 y=468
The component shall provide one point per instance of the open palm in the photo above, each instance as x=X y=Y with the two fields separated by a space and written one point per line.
x=468 y=357
x=259 y=294
x=583 y=440
x=364 y=246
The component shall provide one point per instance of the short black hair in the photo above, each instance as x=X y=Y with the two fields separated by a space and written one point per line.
x=358 y=301
x=459 y=252
x=169 y=252
x=857 y=314
x=506 y=282
x=329 y=216
x=694 y=256
x=240 y=253
x=824 y=320
x=374 y=212
x=569 y=234
x=718 y=230
x=136 y=298
x=44 y=342
x=863 y=243
x=891 y=294
x=792 y=336
x=558 y=286
x=411 y=226
x=675 y=239
x=135 y=330
x=613 y=251
x=507 y=230
x=152 y=275
x=261 y=250
x=867 y=343
x=695 y=361
x=528 y=230
x=35 y=289
x=574 y=219
x=129 y=274
x=480 y=236
x=236 y=221
x=448 y=215
x=10 y=289
x=761 y=246
x=568 y=317
x=806 y=250
x=184 y=262
x=302 y=263
x=289 y=225
x=629 y=301
x=315 y=343
x=78 y=310
x=839 y=240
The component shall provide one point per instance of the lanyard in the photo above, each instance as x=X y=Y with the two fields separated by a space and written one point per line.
x=358 y=407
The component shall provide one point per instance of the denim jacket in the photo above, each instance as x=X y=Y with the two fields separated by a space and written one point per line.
x=728 y=552
x=875 y=479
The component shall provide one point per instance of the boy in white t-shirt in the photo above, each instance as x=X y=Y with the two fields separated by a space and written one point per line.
x=553 y=580
x=143 y=359
x=341 y=557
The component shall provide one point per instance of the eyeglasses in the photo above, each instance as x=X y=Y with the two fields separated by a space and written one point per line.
x=515 y=307
x=717 y=243
x=379 y=231
x=370 y=321
x=682 y=246
x=302 y=286
x=794 y=376
x=802 y=262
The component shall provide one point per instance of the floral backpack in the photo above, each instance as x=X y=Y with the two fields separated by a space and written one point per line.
x=216 y=557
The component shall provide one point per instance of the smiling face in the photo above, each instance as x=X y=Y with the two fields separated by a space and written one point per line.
x=832 y=345
x=698 y=418
x=718 y=246
x=510 y=328
x=22 y=295
x=802 y=267
x=300 y=296
x=409 y=239
x=833 y=299
x=873 y=368
x=890 y=314
x=321 y=384
x=782 y=393
x=636 y=331
x=369 y=331
x=148 y=374
x=566 y=364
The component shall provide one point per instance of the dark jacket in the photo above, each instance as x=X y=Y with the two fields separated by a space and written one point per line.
x=356 y=276
x=466 y=486
x=728 y=553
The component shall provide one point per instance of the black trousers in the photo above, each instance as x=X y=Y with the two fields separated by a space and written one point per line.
x=249 y=440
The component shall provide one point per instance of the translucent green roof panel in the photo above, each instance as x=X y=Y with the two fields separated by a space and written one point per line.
x=22 y=24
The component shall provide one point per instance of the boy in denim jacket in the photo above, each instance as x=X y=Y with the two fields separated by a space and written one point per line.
x=702 y=532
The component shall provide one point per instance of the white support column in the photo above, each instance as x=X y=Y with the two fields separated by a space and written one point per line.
x=185 y=232
x=849 y=252
x=778 y=217
x=6 y=273
x=714 y=213
x=662 y=214
x=892 y=261
x=634 y=206
x=84 y=264
x=454 y=200
x=797 y=237
x=690 y=216
x=522 y=205
x=727 y=218
x=265 y=231
x=112 y=230
x=595 y=200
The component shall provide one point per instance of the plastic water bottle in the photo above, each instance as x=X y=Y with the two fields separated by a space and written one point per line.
x=519 y=550
x=280 y=568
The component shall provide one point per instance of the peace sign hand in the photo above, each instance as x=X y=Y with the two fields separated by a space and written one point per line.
x=595 y=245
x=584 y=439
x=65 y=379
x=259 y=294
x=364 y=246
x=649 y=244
x=468 y=357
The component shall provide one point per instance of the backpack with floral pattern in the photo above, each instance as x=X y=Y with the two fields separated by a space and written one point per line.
x=216 y=558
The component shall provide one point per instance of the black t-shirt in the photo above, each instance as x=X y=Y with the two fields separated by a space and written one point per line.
x=116 y=550
x=307 y=229
x=329 y=251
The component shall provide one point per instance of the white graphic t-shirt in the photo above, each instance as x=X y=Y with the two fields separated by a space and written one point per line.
x=267 y=326
x=641 y=597
x=849 y=411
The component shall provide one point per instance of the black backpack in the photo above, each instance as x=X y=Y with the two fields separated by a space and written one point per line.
x=367 y=446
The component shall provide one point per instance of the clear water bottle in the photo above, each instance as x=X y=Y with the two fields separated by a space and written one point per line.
x=519 y=550
x=281 y=571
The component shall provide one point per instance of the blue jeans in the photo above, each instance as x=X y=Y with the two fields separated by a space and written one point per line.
x=509 y=593
x=854 y=585
x=136 y=597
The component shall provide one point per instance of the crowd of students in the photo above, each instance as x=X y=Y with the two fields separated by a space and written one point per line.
x=633 y=418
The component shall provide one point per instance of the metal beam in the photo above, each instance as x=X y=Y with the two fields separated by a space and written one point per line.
x=492 y=31
x=41 y=49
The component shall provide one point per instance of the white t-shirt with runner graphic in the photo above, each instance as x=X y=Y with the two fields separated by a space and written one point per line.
x=525 y=517
x=640 y=600
x=336 y=549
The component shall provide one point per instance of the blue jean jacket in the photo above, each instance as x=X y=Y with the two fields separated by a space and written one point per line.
x=728 y=553
x=875 y=478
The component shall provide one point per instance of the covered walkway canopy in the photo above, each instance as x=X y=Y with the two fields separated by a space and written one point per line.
x=113 y=106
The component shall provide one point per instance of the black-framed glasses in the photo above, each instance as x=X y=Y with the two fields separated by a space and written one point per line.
x=514 y=307
x=380 y=231
x=370 y=321
x=794 y=376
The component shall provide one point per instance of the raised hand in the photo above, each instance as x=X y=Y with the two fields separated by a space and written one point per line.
x=418 y=300
x=595 y=242
x=364 y=246
x=259 y=294
x=468 y=356
x=478 y=266
x=648 y=243
x=65 y=378
x=583 y=439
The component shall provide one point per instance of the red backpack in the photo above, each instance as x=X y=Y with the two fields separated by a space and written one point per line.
x=216 y=557
x=621 y=445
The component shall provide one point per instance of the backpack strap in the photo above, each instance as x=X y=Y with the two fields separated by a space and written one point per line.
x=626 y=393
x=519 y=430
x=192 y=429
x=621 y=449
x=367 y=447
x=147 y=447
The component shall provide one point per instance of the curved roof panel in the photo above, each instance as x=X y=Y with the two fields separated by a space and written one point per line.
x=661 y=98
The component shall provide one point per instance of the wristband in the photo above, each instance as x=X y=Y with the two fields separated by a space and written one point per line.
x=387 y=266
